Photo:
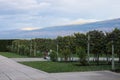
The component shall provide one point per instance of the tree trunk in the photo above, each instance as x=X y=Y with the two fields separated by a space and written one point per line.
x=107 y=58
x=66 y=58
x=119 y=58
x=97 y=59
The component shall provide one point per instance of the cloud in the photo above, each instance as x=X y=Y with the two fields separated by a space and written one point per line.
x=69 y=21
x=29 y=28
x=99 y=9
x=83 y=21
x=22 y=4
x=46 y=13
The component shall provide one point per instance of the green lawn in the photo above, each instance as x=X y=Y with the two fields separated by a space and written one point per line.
x=54 y=67
x=11 y=55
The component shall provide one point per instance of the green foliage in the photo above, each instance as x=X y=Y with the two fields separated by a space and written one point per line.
x=11 y=55
x=5 y=45
x=53 y=56
x=100 y=44
x=55 y=67
x=82 y=55
x=65 y=53
x=115 y=37
x=66 y=47
x=97 y=39
x=97 y=43
x=80 y=40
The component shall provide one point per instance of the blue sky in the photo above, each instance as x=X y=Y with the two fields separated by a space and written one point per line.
x=35 y=14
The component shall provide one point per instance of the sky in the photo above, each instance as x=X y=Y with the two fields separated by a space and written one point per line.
x=37 y=14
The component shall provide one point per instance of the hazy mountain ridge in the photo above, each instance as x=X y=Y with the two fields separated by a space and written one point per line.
x=52 y=32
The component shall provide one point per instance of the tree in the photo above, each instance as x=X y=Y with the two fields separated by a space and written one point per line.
x=97 y=43
x=82 y=55
x=115 y=37
x=65 y=53
x=5 y=45
x=66 y=47
x=80 y=40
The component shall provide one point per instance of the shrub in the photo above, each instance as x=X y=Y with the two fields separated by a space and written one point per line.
x=53 y=56
x=65 y=53
x=82 y=55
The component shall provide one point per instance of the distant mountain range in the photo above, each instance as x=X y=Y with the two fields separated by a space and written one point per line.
x=53 y=32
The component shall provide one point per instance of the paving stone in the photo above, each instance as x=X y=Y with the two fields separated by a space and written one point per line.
x=11 y=70
x=93 y=75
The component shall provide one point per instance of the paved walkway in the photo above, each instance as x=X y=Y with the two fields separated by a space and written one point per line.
x=11 y=70
x=28 y=59
x=95 y=75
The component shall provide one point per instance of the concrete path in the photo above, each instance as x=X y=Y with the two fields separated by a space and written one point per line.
x=28 y=59
x=11 y=70
x=95 y=75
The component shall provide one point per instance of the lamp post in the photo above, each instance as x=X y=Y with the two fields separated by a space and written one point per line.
x=31 y=47
x=57 y=49
x=18 y=45
x=113 y=65
x=88 y=48
x=34 y=47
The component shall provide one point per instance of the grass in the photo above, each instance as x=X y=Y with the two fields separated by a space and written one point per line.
x=55 y=67
x=11 y=55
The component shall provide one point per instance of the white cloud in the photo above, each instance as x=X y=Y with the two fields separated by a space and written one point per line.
x=23 y=4
x=83 y=21
x=99 y=9
x=68 y=21
x=45 y=13
x=29 y=28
